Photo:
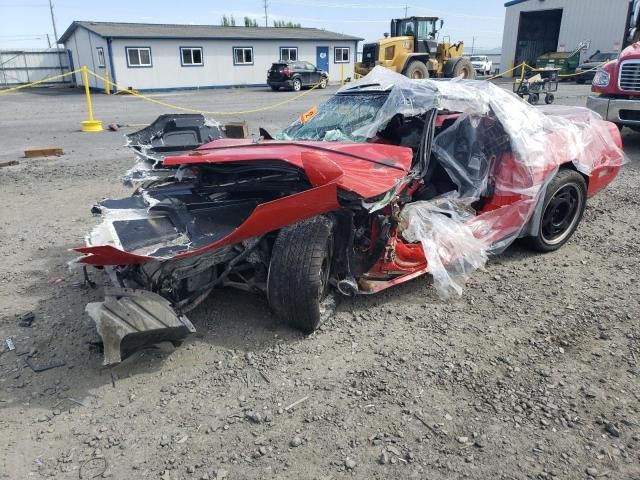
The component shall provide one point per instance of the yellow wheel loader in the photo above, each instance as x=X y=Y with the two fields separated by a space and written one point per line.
x=412 y=49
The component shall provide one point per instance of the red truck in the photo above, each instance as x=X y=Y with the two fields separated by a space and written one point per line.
x=616 y=89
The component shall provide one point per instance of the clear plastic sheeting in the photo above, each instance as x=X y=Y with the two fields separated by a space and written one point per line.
x=451 y=248
x=499 y=155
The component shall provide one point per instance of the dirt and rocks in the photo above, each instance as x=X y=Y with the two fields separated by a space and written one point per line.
x=532 y=374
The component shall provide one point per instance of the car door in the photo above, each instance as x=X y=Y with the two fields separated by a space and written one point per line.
x=300 y=70
x=314 y=74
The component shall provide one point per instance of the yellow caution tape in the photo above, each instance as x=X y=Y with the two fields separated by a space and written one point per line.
x=192 y=110
x=44 y=80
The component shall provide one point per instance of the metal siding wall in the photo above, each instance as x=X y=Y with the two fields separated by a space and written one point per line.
x=601 y=21
x=25 y=66
x=218 y=68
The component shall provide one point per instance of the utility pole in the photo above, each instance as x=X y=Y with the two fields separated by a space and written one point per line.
x=266 y=15
x=406 y=7
x=53 y=21
x=473 y=45
x=48 y=40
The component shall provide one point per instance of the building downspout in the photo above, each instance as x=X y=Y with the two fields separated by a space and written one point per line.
x=111 y=66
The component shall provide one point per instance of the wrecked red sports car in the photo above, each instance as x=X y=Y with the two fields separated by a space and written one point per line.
x=390 y=179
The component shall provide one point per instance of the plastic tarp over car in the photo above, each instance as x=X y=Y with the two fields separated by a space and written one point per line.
x=456 y=239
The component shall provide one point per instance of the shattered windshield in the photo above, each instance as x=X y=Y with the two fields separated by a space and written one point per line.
x=337 y=119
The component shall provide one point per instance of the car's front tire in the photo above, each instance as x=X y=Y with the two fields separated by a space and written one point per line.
x=323 y=82
x=299 y=272
x=563 y=206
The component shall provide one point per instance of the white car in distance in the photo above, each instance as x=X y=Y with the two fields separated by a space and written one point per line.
x=481 y=64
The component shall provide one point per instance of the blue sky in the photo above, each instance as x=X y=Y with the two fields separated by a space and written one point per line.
x=25 y=23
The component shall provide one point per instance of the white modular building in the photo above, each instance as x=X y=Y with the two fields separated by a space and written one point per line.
x=143 y=56
x=534 y=27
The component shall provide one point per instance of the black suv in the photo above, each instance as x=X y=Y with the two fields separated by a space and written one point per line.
x=295 y=75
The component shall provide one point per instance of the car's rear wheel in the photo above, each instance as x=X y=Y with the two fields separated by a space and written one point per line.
x=296 y=86
x=299 y=272
x=323 y=82
x=564 y=203
x=275 y=88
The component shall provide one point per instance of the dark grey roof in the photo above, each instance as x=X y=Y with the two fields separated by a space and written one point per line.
x=151 y=30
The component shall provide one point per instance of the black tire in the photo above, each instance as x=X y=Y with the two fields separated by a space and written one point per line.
x=274 y=88
x=549 y=98
x=459 y=67
x=580 y=81
x=323 y=82
x=296 y=86
x=416 y=70
x=563 y=207
x=534 y=98
x=299 y=273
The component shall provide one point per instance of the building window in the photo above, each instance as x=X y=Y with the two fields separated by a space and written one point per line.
x=100 y=52
x=341 y=54
x=191 y=56
x=288 y=54
x=243 y=55
x=138 y=56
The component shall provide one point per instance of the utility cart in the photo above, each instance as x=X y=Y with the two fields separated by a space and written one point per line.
x=541 y=81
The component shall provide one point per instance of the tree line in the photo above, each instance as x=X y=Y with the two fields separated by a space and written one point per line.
x=230 y=21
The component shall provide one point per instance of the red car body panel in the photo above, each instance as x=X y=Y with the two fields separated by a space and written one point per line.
x=266 y=217
x=374 y=173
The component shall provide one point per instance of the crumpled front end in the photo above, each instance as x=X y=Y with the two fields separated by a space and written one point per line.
x=209 y=222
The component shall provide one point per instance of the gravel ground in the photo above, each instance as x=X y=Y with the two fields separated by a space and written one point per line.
x=532 y=373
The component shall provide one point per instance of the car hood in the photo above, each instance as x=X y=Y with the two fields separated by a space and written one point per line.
x=367 y=169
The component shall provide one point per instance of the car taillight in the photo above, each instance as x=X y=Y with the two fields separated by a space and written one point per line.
x=286 y=71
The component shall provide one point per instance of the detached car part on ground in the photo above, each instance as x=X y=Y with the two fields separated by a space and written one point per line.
x=390 y=179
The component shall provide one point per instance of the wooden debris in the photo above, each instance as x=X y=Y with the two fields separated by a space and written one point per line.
x=236 y=130
x=9 y=163
x=43 y=152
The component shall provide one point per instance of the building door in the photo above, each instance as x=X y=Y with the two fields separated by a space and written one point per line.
x=322 y=58
x=538 y=33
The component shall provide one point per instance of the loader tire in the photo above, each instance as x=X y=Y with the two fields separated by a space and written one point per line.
x=416 y=70
x=460 y=66
x=299 y=271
